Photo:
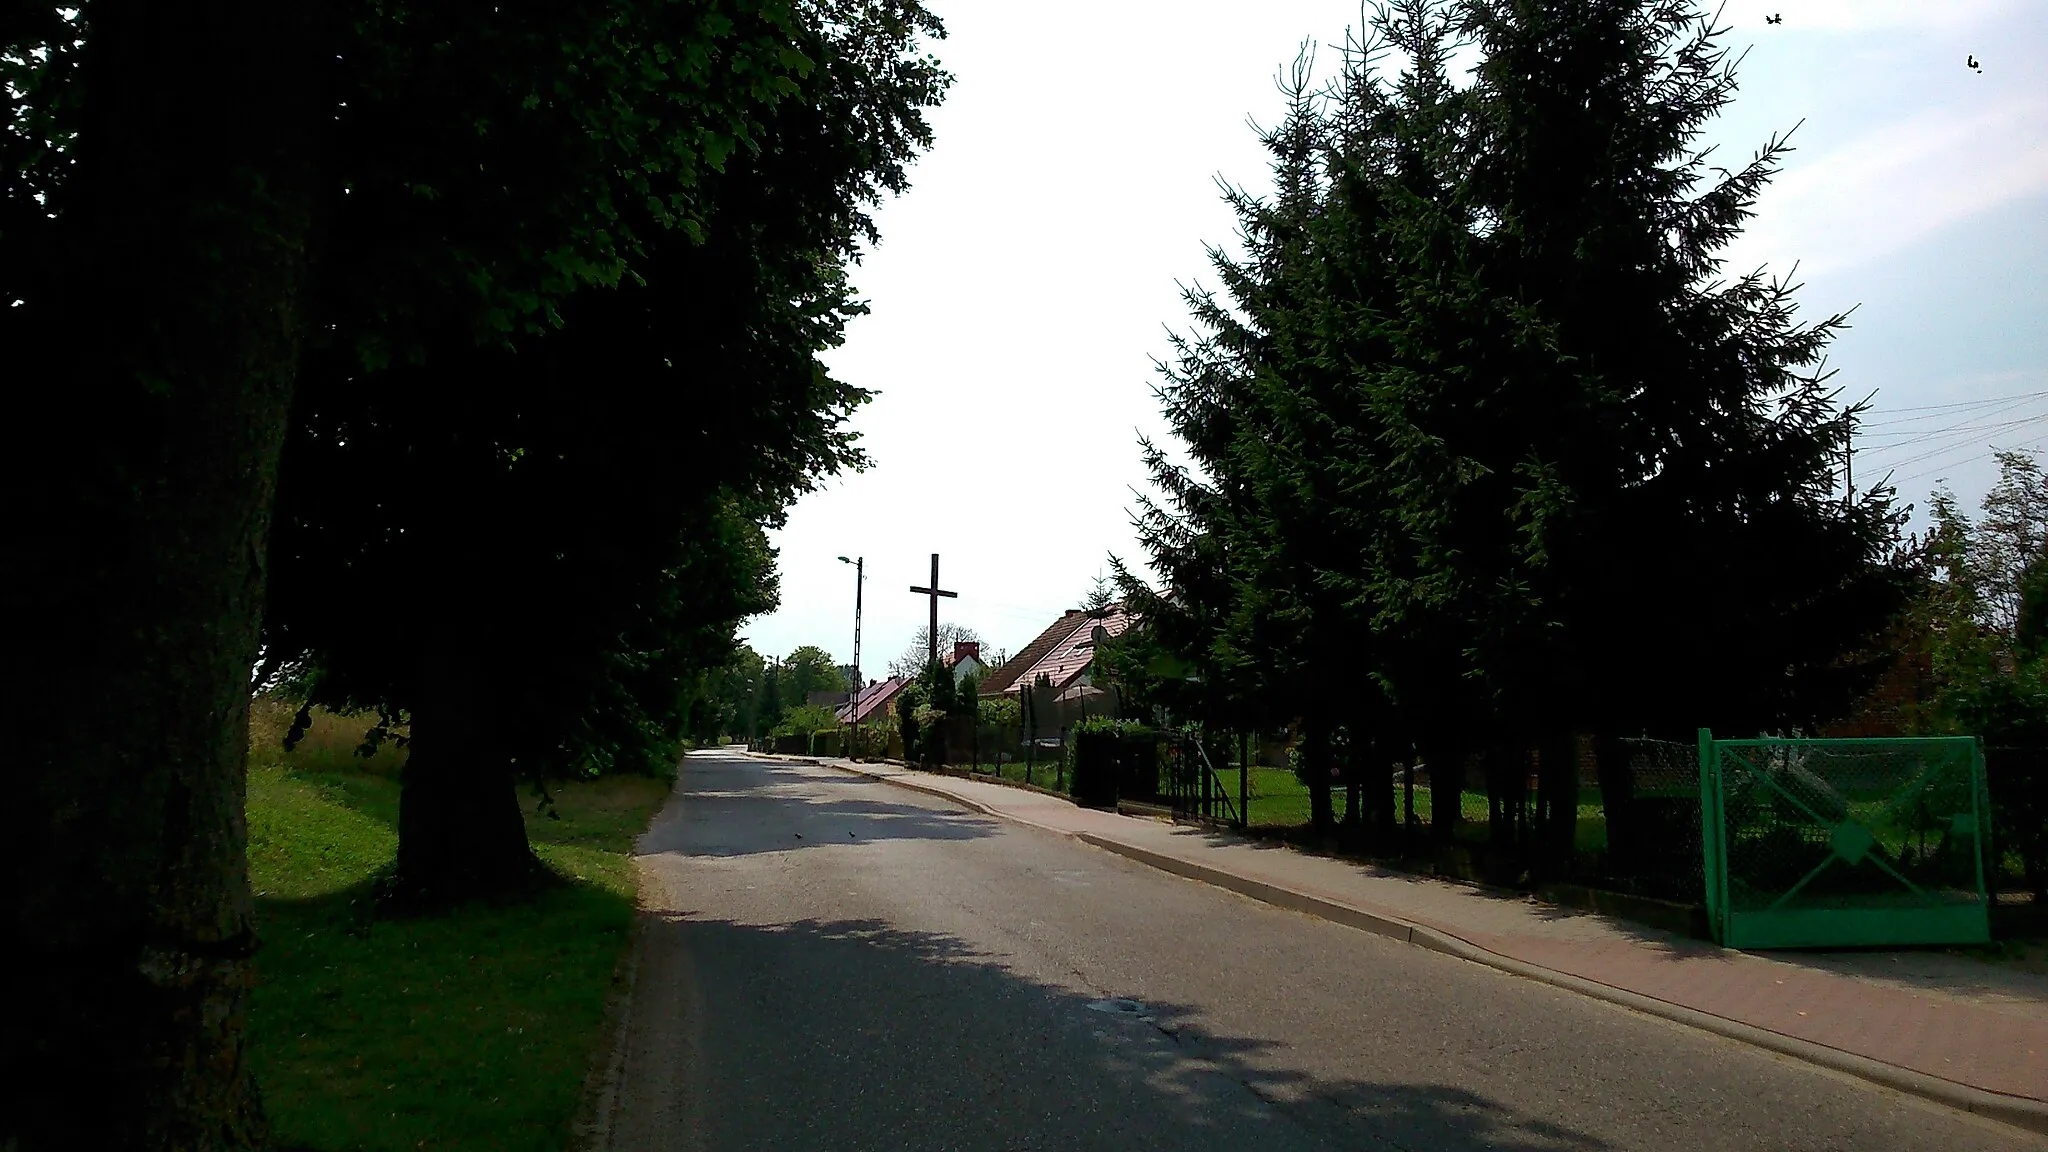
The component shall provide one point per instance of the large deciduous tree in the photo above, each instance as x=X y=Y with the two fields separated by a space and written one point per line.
x=910 y=664
x=163 y=179
x=497 y=530
x=222 y=222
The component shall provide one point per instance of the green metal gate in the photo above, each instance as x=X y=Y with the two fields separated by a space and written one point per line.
x=1837 y=843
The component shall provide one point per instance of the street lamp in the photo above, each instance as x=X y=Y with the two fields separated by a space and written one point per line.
x=853 y=701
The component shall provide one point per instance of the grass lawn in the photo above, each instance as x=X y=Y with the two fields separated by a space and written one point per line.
x=1044 y=773
x=1280 y=799
x=468 y=1030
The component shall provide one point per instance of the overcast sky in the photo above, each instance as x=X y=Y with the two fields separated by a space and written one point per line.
x=1027 y=279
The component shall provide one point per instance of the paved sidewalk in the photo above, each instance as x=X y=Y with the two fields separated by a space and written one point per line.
x=1941 y=1026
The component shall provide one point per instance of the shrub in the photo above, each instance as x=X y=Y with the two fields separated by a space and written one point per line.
x=805 y=719
x=1001 y=712
x=869 y=742
x=827 y=741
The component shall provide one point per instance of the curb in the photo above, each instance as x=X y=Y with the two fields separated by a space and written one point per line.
x=2019 y=1112
x=929 y=790
x=597 y=1108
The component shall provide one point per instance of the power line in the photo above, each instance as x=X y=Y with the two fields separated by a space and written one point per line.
x=1967 y=403
x=1957 y=454
x=1967 y=442
x=1960 y=432
x=1975 y=418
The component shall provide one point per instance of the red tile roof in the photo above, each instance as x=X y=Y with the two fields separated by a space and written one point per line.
x=1000 y=680
x=1065 y=660
x=873 y=699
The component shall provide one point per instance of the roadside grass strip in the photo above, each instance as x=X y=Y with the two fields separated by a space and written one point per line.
x=469 y=1029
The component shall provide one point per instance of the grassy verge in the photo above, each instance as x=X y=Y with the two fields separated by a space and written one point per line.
x=468 y=1030
x=1044 y=773
x=1280 y=799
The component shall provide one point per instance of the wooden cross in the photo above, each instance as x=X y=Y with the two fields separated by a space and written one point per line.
x=934 y=592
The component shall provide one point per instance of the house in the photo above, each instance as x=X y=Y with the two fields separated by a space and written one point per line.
x=871 y=704
x=965 y=661
x=1061 y=655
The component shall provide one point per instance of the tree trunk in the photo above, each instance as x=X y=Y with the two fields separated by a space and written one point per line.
x=1446 y=791
x=1377 y=785
x=164 y=346
x=1315 y=766
x=460 y=833
x=1503 y=796
x=1557 y=795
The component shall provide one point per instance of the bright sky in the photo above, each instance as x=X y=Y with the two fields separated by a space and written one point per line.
x=1028 y=278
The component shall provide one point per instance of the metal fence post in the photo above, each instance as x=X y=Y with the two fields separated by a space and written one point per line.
x=1710 y=832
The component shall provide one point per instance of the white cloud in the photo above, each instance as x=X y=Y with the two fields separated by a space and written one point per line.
x=1895 y=184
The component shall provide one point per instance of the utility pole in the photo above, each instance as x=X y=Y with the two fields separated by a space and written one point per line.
x=1849 y=456
x=853 y=701
x=1849 y=464
x=934 y=591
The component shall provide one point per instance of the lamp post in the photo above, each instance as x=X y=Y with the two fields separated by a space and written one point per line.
x=853 y=702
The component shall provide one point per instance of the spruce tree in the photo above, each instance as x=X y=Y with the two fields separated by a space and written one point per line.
x=1478 y=411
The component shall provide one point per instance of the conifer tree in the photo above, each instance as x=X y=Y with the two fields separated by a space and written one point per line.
x=1482 y=413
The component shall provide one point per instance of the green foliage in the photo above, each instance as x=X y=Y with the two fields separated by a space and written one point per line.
x=1100 y=599
x=804 y=719
x=939 y=690
x=868 y=742
x=1001 y=711
x=571 y=249
x=810 y=669
x=1978 y=608
x=908 y=705
x=1475 y=373
x=1098 y=724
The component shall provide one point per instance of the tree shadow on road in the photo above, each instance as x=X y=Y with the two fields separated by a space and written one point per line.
x=854 y=1034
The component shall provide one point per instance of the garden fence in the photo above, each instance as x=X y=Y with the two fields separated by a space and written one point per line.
x=1831 y=843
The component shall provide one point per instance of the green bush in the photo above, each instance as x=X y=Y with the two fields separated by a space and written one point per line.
x=827 y=741
x=1001 y=712
x=869 y=742
x=805 y=719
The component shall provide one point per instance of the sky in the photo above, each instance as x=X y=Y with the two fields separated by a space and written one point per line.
x=1028 y=280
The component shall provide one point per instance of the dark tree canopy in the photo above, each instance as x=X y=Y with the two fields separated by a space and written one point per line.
x=522 y=529
x=459 y=357
x=1478 y=410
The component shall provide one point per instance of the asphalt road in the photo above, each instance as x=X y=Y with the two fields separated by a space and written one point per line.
x=834 y=963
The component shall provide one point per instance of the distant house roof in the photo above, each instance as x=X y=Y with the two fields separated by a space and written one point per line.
x=1066 y=660
x=1060 y=654
x=871 y=701
x=1000 y=680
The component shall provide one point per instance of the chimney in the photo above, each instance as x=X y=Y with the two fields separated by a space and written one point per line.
x=962 y=649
